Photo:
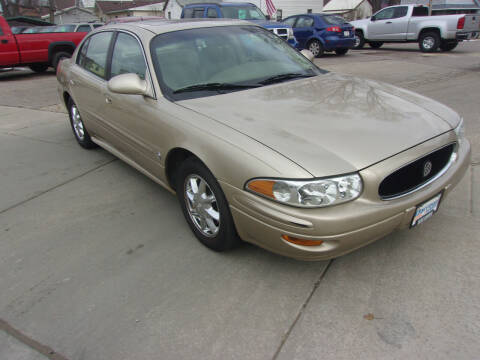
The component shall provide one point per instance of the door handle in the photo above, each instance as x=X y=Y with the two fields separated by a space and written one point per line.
x=4 y=41
x=108 y=100
x=388 y=22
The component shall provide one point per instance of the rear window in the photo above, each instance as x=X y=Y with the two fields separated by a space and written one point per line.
x=334 y=20
x=84 y=28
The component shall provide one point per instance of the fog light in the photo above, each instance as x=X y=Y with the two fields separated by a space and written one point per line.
x=303 y=242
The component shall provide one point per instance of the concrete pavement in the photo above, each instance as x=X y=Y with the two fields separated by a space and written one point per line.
x=97 y=262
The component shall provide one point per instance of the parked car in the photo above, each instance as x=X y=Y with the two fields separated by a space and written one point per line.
x=240 y=11
x=256 y=140
x=78 y=27
x=322 y=32
x=411 y=23
x=36 y=47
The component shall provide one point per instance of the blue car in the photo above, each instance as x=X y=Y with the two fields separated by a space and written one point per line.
x=242 y=11
x=322 y=32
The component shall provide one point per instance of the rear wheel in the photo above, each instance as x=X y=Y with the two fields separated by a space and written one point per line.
x=39 y=68
x=447 y=46
x=359 y=40
x=59 y=57
x=429 y=41
x=204 y=206
x=78 y=127
x=316 y=48
x=342 y=51
x=375 y=44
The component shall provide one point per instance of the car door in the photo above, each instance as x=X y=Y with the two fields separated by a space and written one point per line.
x=88 y=82
x=130 y=116
x=399 y=24
x=304 y=29
x=8 y=48
x=380 y=26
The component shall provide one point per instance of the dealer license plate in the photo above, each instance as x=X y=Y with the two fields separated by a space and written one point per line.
x=426 y=210
x=346 y=33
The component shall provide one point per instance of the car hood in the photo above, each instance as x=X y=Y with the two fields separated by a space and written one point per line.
x=269 y=24
x=330 y=124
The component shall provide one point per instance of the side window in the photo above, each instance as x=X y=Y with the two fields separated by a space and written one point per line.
x=128 y=57
x=290 y=21
x=198 y=12
x=304 y=22
x=82 y=53
x=95 y=59
x=84 y=28
x=211 y=13
x=97 y=25
x=420 y=11
x=188 y=13
x=400 y=11
x=385 y=14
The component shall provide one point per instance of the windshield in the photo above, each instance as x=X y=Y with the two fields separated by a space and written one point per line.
x=242 y=13
x=229 y=58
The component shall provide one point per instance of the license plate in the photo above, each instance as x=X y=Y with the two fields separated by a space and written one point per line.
x=346 y=33
x=426 y=210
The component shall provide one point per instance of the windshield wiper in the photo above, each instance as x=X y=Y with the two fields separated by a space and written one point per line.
x=215 y=87
x=283 y=77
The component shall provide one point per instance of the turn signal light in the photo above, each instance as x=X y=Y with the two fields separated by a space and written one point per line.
x=264 y=187
x=303 y=242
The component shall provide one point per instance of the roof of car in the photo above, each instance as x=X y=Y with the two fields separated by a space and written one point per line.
x=164 y=26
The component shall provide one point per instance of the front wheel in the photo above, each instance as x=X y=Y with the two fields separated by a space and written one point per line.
x=78 y=127
x=340 y=52
x=447 y=46
x=429 y=41
x=316 y=48
x=375 y=44
x=359 y=40
x=204 y=206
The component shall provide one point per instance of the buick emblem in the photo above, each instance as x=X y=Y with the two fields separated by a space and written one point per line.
x=427 y=168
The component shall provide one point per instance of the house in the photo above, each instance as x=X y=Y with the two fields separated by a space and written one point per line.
x=74 y=14
x=173 y=8
x=107 y=10
x=349 y=9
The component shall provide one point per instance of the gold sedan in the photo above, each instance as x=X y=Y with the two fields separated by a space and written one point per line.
x=257 y=142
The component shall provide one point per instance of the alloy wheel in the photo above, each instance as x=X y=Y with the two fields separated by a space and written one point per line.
x=77 y=123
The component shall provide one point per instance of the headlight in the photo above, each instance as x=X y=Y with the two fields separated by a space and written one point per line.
x=460 y=130
x=290 y=33
x=309 y=193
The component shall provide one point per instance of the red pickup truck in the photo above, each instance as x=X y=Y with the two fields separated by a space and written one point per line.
x=37 y=51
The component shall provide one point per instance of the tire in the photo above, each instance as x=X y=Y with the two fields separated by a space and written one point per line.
x=39 y=68
x=341 y=52
x=359 y=41
x=316 y=48
x=375 y=44
x=218 y=235
x=429 y=41
x=79 y=130
x=58 y=57
x=447 y=46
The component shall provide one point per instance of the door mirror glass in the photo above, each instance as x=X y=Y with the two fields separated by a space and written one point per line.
x=128 y=84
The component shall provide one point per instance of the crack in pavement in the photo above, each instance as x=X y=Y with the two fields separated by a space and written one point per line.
x=302 y=309
x=26 y=340
x=57 y=186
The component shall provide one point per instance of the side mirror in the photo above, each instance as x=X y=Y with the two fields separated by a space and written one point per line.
x=128 y=84
x=308 y=54
x=372 y=18
x=268 y=17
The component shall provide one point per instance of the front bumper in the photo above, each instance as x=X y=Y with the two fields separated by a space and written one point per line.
x=344 y=227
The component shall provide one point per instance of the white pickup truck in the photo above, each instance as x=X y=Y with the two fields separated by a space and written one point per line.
x=411 y=23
